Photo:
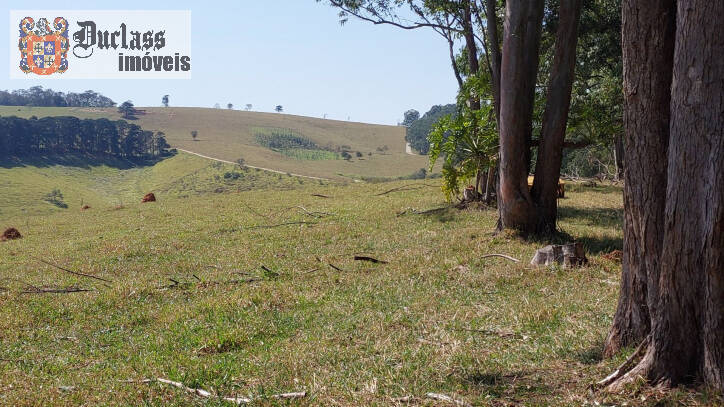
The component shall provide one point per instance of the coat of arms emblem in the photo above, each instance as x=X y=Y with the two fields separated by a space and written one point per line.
x=43 y=48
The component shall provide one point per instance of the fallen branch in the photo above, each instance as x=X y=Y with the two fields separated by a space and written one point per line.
x=314 y=214
x=369 y=259
x=55 y=290
x=71 y=271
x=448 y=399
x=236 y=400
x=501 y=255
x=627 y=365
x=335 y=267
x=321 y=196
x=282 y=224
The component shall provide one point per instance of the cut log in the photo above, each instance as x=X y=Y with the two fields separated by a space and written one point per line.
x=568 y=255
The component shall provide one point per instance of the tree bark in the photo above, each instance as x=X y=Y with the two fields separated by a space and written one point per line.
x=686 y=289
x=472 y=49
x=648 y=52
x=519 y=66
x=492 y=28
x=688 y=320
x=555 y=118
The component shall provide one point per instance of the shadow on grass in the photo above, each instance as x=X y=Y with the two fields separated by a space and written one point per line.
x=590 y=355
x=604 y=217
x=78 y=160
x=511 y=385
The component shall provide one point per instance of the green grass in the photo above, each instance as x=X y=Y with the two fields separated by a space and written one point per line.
x=105 y=182
x=437 y=318
x=230 y=135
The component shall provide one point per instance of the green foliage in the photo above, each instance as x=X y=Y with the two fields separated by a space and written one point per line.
x=419 y=129
x=410 y=117
x=55 y=197
x=467 y=143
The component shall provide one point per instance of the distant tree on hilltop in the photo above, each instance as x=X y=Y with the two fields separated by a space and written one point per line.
x=248 y=107
x=194 y=134
x=126 y=109
x=279 y=108
x=164 y=100
x=230 y=106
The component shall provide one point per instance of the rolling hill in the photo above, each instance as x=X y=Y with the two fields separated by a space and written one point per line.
x=106 y=183
x=233 y=134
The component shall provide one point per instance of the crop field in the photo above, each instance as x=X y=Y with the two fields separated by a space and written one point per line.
x=230 y=135
x=256 y=293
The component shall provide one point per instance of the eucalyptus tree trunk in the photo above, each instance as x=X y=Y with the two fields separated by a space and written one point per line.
x=555 y=118
x=648 y=53
x=685 y=286
x=519 y=66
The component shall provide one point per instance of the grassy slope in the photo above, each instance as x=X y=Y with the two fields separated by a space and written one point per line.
x=113 y=182
x=229 y=135
x=361 y=336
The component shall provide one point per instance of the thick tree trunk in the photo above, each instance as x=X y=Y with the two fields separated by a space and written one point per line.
x=648 y=52
x=686 y=290
x=555 y=118
x=517 y=89
x=688 y=320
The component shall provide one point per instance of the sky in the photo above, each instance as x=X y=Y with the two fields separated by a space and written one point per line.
x=292 y=53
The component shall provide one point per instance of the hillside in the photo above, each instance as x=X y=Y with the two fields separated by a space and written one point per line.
x=108 y=182
x=233 y=134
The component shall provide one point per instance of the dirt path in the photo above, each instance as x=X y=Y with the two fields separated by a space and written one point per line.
x=251 y=166
x=408 y=149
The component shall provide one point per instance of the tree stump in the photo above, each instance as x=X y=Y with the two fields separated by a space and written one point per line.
x=149 y=198
x=470 y=194
x=568 y=255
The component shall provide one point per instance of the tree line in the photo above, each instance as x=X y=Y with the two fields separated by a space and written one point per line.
x=38 y=96
x=21 y=137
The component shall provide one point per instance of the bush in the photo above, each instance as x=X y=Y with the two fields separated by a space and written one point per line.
x=55 y=197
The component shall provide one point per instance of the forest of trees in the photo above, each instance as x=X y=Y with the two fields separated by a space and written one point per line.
x=38 y=96
x=60 y=135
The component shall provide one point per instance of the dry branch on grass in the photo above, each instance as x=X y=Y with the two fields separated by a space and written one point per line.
x=425 y=212
x=236 y=400
x=281 y=224
x=369 y=259
x=76 y=273
x=447 y=399
x=321 y=196
x=67 y=290
x=505 y=256
x=313 y=214
x=405 y=188
x=335 y=267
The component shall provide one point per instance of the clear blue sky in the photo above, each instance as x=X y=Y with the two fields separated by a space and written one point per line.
x=288 y=52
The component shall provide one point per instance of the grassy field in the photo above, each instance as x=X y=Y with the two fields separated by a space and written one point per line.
x=230 y=135
x=106 y=182
x=257 y=292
